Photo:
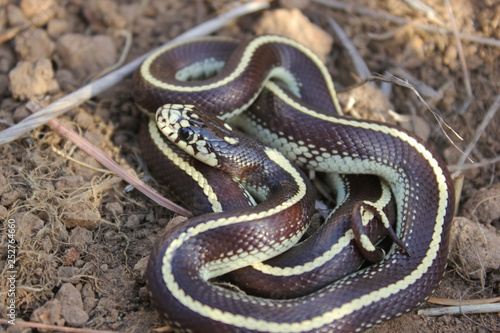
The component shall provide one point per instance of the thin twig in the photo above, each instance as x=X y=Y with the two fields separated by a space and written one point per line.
x=460 y=49
x=486 y=121
x=359 y=64
x=388 y=77
x=123 y=56
x=345 y=7
x=465 y=309
x=79 y=96
x=105 y=160
x=482 y=163
x=53 y=327
x=457 y=302
x=424 y=8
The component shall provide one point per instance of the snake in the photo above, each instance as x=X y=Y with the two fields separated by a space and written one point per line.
x=224 y=78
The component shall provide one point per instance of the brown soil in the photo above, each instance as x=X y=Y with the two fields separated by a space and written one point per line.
x=82 y=240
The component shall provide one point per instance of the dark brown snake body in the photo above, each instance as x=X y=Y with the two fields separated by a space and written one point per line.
x=304 y=130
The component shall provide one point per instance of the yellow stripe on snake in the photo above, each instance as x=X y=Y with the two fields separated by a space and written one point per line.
x=307 y=127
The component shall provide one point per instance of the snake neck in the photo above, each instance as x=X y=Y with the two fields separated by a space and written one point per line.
x=256 y=166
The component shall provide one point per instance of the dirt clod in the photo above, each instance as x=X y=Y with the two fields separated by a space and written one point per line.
x=28 y=225
x=475 y=248
x=69 y=183
x=32 y=79
x=84 y=215
x=72 y=305
x=484 y=205
x=80 y=236
x=9 y=198
x=39 y=11
x=85 y=55
x=33 y=45
x=49 y=313
x=294 y=24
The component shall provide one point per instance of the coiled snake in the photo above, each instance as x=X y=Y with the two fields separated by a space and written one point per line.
x=272 y=72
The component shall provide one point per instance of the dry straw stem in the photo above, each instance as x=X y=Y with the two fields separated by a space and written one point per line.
x=476 y=165
x=79 y=96
x=10 y=33
x=424 y=8
x=492 y=111
x=460 y=49
x=338 y=5
x=109 y=163
x=458 y=302
x=54 y=328
x=465 y=309
x=359 y=64
x=126 y=49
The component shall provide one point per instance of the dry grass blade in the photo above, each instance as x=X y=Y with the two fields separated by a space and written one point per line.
x=420 y=86
x=53 y=328
x=457 y=302
x=102 y=158
x=123 y=56
x=480 y=130
x=476 y=165
x=461 y=56
x=395 y=80
x=359 y=64
x=79 y=96
x=466 y=309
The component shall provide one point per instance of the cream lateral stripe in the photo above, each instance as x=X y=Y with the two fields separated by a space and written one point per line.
x=335 y=249
x=188 y=169
x=249 y=51
x=204 y=68
x=228 y=116
x=367 y=243
x=319 y=261
x=381 y=203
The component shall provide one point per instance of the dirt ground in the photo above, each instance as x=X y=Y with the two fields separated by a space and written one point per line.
x=82 y=240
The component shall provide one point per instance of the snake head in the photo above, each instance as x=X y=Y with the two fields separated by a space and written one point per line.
x=202 y=136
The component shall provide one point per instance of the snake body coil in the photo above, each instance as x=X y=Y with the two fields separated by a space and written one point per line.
x=277 y=73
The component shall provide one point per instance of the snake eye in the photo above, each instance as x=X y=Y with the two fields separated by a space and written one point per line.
x=185 y=134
